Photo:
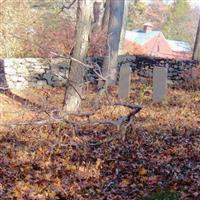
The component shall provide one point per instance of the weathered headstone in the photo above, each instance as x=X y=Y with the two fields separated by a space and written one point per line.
x=124 y=81
x=159 y=84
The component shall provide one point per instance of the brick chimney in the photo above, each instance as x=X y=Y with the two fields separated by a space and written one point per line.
x=147 y=27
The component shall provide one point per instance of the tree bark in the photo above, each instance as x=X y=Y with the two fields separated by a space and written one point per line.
x=74 y=86
x=106 y=15
x=114 y=31
x=98 y=14
x=123 y=29
x=196 y=51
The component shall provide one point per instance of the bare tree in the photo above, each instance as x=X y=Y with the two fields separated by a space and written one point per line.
x=114 y=32
x=124 y=23
x=196 y=51
x=73 y=92
x=98 y=14
x=106 y=15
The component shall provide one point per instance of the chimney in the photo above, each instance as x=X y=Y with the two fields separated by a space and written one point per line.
x=147 y=27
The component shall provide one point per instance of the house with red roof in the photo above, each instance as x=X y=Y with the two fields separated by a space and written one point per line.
x=153 y=43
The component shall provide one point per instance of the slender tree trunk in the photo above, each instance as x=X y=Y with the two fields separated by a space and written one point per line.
x=123 y=29
x=196 y=51
x=106 y=15
x=73 y=92
x=98 y=14
x=114 y=32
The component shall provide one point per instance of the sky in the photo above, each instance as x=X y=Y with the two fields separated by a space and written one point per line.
x=195 y=2
x=192 y=2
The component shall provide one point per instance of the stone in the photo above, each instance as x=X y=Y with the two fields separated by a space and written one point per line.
x=159 y=84
x=167 y=65
x=35 y=69
x=170 y=69
x=21 y=79
x=39 y=70
x=170 y=82
x=41 y=83
x=124 y=81
x=32 y=84
x=38 y=67
x=20 y=85
x=48 y=77
x=9 y=62
x=150 y=74
x=22 y=70
x=143 y=80
x=58 y=81
x=10 y=70
x=14 y=78
x=58 y=84
x=11 y=84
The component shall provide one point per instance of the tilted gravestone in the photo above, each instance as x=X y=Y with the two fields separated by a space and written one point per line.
x=124 y=81
x=159 y=84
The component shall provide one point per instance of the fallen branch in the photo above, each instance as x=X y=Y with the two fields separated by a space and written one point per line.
x=123 y=123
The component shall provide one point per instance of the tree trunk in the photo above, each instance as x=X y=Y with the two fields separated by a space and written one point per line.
x=106 y=15
x=114 y=31
x=73 y=91
x=98 y=14
x=123 y=29
x=196 y=51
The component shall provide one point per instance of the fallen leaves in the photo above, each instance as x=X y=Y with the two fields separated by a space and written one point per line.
x=151 y=180
x=124 y=183
x=161 y=153
x=142 y=172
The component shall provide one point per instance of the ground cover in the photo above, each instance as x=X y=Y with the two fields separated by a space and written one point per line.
x=161 y=153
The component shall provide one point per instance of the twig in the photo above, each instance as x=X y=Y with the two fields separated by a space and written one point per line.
x=80 y=62
x=123 y=123
x=66 y=7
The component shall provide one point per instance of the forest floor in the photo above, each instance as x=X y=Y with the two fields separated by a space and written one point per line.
x=160 y=155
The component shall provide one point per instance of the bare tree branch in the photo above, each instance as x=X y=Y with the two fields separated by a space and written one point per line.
x=66 y=7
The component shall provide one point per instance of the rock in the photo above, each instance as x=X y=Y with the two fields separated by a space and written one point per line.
x=10 y=70
x=32 y=84
x=39 y=71
x=48 y=77
x=41 y=83
x=20 y=85
x=23 y=70
x=21 y=79
x=52 y=71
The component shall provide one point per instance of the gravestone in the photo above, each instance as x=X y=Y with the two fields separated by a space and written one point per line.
x=124 y=81
x=159 y=84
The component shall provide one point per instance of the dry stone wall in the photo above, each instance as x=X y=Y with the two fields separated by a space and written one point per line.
x=144 y=66
x=20 y=73
x=177 y=69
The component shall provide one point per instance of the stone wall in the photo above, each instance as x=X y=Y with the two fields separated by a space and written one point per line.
x=177 y=69
x=143 y=66
x=33 y=72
